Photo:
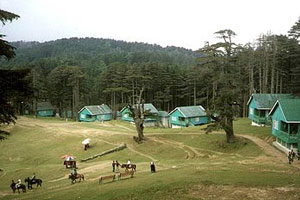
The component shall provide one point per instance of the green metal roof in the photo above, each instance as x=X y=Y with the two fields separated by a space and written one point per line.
x=266 y=101
x=290 y=109
x=162 y=113
x=191 y=111
x=147 y=106
x=44 y=106
x=97 y=109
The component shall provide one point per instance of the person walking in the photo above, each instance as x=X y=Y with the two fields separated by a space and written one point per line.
x=117 y=170
x=290 y=157
x=152 y=167
x=113 y=166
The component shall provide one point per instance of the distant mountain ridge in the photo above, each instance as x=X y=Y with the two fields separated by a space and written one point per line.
x=84 y=50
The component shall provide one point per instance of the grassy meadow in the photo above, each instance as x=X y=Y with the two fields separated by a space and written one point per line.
x=190 y=164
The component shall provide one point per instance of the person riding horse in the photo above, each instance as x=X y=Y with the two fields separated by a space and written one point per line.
x=74 y=172
x=33 y=178
x=18 y=183
x=16 y=186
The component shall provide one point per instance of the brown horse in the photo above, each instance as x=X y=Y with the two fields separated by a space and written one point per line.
x=129 y=166
x=74 y=177
x=14 y=188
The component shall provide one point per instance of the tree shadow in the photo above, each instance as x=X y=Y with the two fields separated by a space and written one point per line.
x=3 y=135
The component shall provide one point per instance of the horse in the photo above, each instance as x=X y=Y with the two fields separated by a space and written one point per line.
x=74 y=177
x=129 y=166
x=30 y=182
x=14 y=188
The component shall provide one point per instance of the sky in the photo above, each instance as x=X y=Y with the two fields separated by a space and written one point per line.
x=181 y=23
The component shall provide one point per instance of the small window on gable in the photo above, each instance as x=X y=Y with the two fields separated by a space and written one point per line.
x=275 y=124
x=174 y=118
x=251 y=111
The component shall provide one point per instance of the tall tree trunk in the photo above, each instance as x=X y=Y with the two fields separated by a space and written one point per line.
x=272 y=79
x=260 y=78
x=277 y=81
x=138 y=110
x=280 y=89
x=251 y=78
x=133 y=92
x=244 y=105
x=195 y=94
x=35 y=99
x=214 y=94
x=273 y=69
x=229 y=131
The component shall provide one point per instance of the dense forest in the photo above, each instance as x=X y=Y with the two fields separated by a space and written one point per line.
x=71 y=73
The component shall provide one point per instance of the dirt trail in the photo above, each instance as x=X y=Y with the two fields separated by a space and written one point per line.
x=190 y=151
x=142 y=154
x=267 y=148
x=273 y=154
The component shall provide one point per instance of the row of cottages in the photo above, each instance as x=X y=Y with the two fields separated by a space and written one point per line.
x=95 y=113
x=188 y=116
x=179 y=117
x=285 y=115
x=260 y=105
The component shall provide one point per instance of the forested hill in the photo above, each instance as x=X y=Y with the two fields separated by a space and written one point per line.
x=89 y=51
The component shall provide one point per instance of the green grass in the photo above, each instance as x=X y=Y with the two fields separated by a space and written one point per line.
x=37 y=146
x=243 y=126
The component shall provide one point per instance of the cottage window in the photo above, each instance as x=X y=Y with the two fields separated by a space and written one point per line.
x=82 y=115
x=197 y=119
x=88 y=116
x=284 y=127
x=275 y=124
x=174 y=118
x=126 y=115
x=293 y=128
x=262 y=113
x=251 y=111
x=181 y=118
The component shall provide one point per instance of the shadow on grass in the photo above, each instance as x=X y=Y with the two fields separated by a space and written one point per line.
x=3 y=135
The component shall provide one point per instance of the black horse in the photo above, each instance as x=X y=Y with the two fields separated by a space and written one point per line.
x=30 y=182
x=14 y=188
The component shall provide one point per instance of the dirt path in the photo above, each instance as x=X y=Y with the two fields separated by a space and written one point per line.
x=140 y=153
x=273 y=154
x=191 y=152
x=266 y=147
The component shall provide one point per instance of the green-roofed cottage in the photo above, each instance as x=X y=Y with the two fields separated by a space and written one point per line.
x=95 y=113
x=45 y=109
x=285 y=115
x=163 y=119
x=188 y=116
x=260 y=105
x=149 y=121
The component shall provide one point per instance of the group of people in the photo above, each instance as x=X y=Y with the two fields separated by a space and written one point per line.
x=291 y=156
x=19 y=182
x=115 y=166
